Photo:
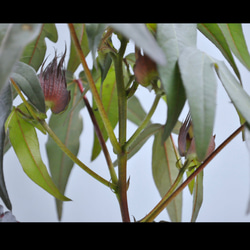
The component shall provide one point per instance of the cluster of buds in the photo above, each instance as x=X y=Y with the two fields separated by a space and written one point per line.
x=54 y=86
x=186 y=142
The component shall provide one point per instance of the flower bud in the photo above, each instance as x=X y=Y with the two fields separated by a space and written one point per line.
x=54 y=86
x=145 y=70
x=186 y=141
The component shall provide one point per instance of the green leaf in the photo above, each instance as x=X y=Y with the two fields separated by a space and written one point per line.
x=68 y=127
x=200 y=84
x=109 y=100
x=234 y=35
x=26 y=78
x=141 y=140
x=165 y=172
x=13 y=38
x=135 y=112
x=94 y=33
x=5 y=109
x=236 y=93
x=173 y=38
x=213 y=32
x=33 y=54
x=197 y=196
x=24 y=140
x=74 y=60
x=142 y=38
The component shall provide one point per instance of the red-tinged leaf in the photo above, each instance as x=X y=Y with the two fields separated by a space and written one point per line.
x=68 y=127
x=34 y=52
x=74 y=60
x=24 y=140
x=165 y=172
x=213 y=32
x=235 y=38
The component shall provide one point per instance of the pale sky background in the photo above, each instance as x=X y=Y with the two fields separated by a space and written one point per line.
x=226 y=178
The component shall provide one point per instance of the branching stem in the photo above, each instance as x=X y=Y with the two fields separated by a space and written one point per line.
x=103 y=114
x=99 y=135
x=169 y=197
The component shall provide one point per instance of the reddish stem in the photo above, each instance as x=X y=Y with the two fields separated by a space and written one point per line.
x=97 y=129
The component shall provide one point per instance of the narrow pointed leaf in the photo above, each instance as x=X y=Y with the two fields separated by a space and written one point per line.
x=94 y=33
x=26 y=78
x=68 y=127
x=135 y=113
x=165 y=172
x=247 y=142
x=200 y=84
x=74 y=60
x=24 y=140
x=213 y=32
x=236 y=93
x=172 y=38
x=33 y=54
x=13 y=38
x=197 y=196
x=141 y=140
x=5 y=109
x=235 y=38
x=109 y=100
x=142 y=37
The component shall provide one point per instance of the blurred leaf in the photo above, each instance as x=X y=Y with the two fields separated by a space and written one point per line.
x=26 y=78
x=24 y=140
x=135 y=113
x=5 y=109
x=213 y=32
x=104 y=62
x=13 y=38
x=165 y=172
x=68 y=127
x=109 y=100
x=234 y=35
x=200 y=84
x=173 y=38
x=142 y=38
x=197 y=196
x=6 y=216
x=74 y=60
x=247 y=140
x=236 y=93
x=33 y=54
x=94 y=33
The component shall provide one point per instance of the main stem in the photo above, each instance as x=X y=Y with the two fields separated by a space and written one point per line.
x=122 y=109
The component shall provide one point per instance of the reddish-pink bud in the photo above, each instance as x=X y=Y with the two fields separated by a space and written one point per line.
x=186 y=141
x=145 y=70
x=54 y=86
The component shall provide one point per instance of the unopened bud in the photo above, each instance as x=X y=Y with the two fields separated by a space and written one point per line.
x=145 y=70
x=54 y=86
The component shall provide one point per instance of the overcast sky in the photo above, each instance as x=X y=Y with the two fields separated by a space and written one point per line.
x=226 y=178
